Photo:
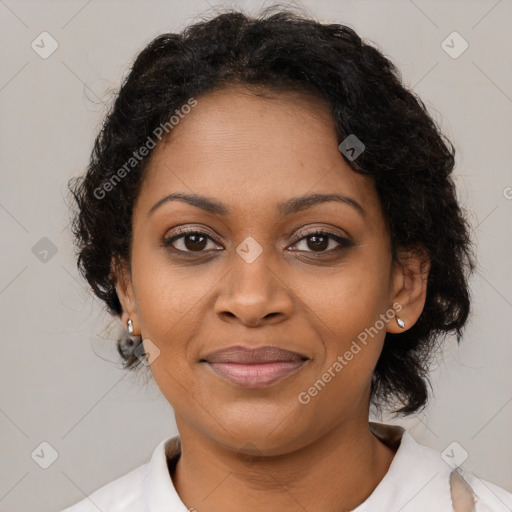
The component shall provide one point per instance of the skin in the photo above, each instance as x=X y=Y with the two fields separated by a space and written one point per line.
x=251 y=153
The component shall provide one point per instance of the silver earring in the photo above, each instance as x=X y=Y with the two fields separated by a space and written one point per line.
x=130 y=326
x=400 y=322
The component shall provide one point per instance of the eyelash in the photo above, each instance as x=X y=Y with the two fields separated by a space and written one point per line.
x=301 y=235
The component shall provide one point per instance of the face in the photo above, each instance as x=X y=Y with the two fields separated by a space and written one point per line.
x=253 y=272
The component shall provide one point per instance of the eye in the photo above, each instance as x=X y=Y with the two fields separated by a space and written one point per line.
x=321 y=241
x=189 y=240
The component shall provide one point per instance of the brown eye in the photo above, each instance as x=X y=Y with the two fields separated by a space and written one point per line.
x=318 y=242
x=189 y=241
x=322 y=242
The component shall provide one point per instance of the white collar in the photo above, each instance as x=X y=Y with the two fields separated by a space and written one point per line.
x=159 y=492
x=417 y=479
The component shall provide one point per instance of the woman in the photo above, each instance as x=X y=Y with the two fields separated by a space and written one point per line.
x=271 y=215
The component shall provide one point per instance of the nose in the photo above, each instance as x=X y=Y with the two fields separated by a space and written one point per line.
x=254 y=293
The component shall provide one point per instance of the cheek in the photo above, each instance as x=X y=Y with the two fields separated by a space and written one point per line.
x=353 y=336
x=348 y=309
x=169 y=296
x=349 y=299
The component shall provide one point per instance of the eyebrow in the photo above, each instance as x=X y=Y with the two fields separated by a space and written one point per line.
x=289 y=207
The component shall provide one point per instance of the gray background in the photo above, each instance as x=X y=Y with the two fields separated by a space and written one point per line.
x=60 y=378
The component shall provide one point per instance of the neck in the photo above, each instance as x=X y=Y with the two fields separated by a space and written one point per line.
x=334 y=473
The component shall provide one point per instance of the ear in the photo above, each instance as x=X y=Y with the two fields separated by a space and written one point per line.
x=409 y=289
x=121 y=276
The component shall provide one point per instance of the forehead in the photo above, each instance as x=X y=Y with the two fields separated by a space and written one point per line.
x=249 y=150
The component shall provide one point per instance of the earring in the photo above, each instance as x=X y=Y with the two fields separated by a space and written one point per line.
x=400 y=322
x=130 y=326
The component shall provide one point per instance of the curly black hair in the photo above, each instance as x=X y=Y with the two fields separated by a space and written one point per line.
x=405 y=152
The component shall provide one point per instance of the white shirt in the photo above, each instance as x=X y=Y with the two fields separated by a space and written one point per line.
x=418 y=480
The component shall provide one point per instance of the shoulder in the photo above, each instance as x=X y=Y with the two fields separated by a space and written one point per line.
x=487 y=497
x=467 y=492
x=125 y=494
x=421 y=479
x=146 y=488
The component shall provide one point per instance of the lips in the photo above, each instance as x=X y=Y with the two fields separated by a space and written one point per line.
x=241 y=355
x=254 y=368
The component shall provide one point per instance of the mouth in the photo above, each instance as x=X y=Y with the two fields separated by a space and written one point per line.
x=254 y=368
